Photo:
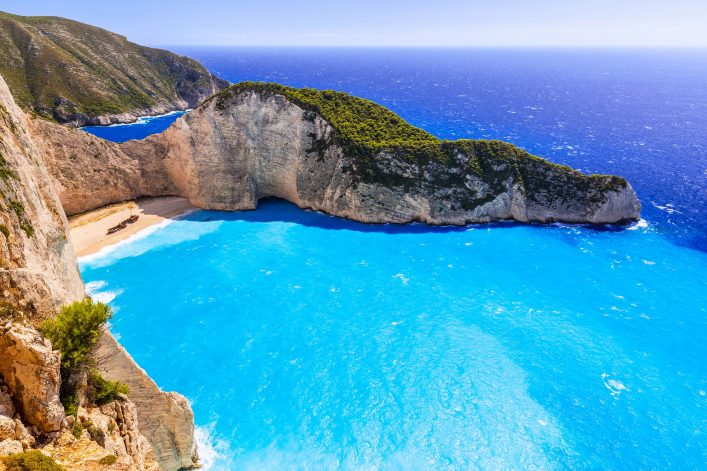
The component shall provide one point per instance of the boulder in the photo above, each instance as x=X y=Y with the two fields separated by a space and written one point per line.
x=30 y=369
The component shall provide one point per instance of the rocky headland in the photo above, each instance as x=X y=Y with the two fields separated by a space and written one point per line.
x=329 y=152
x=78 y=74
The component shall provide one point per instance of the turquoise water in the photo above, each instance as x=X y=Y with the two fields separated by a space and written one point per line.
x=308 y=342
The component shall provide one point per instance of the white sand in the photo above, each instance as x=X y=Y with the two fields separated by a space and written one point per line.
x=88 y=230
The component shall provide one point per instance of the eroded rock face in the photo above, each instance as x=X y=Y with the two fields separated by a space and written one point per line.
x=166 y=419
x=30 y=369
x=114 y=427
x=231 y=152
x=10 y=447
x=38 y=274
x=38 y=271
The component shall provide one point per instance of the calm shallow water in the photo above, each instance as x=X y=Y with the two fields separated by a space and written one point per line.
x=308 y=342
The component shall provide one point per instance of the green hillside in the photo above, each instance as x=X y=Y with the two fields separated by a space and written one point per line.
x=69 y=71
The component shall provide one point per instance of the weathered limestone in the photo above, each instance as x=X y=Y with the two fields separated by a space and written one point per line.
x=166 y=419
x=38 y=271
x=114 y=427
x=228 y=154
x=10 y=447
x=30 y=369
x=38 y=274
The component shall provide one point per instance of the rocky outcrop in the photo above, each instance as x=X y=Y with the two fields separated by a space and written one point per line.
x=247 y=144
x=166 y=419
x=38 y=271
x=30 y=369
x=105 y=437
x=114 y=427
x=38 y=274
x=31 y=413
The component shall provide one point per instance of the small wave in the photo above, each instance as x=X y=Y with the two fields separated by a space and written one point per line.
x=404 y=279
x=641 y=224
x=667 y=207
x=93 y=287
x=106 y=297
x=212 y=451
x=615 y=386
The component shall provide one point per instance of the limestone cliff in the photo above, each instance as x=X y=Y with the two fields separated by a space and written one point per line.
x=31 y=414
x=262 y=140
x=166 y=418
x=38 y=270
x=38 y=274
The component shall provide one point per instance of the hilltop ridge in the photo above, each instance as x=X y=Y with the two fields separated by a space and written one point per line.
x=79 y=74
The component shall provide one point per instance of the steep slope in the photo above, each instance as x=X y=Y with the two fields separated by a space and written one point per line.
x=331 y=152
x=39 y=273
x=80 y=74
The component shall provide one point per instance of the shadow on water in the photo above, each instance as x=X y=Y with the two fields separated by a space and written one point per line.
x=278 y=210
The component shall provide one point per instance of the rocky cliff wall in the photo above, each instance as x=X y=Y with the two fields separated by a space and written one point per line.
x=38 y=270
x=39 y=273
x=165 y=418
x=244 y=146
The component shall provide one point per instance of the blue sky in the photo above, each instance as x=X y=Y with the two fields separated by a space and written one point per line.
x=525 y=23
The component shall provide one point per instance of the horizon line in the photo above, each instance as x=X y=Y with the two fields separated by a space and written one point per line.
x=368 y=46
x=467 y=47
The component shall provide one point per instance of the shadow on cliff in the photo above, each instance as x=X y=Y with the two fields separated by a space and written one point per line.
x=278 y=210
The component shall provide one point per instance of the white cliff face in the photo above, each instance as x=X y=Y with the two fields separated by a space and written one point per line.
x=38 y=270
x=229 y=153
x=39 y=274
x=166 y=419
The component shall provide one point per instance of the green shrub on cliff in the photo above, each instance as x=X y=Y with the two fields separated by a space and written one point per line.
x=76 y=330
x=32 y=460
x=105 y=391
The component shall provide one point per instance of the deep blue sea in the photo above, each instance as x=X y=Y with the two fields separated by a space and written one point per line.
x=308 y=342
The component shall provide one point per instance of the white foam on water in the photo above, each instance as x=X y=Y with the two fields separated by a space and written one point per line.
x=640 y=224
x=404 y=279
x=93 y=287
x=667 y=207
x=106 y=297
x=615 y=386
x=212 y=451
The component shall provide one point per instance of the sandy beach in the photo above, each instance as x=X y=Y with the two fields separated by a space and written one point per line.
x=88 y=230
